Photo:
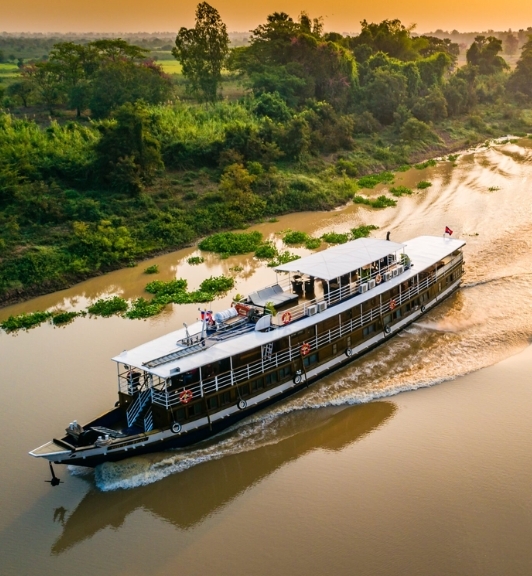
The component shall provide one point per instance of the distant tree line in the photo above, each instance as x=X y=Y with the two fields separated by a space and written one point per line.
x=99 y=76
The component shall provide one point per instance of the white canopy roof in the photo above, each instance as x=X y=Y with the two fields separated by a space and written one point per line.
x=342 y=259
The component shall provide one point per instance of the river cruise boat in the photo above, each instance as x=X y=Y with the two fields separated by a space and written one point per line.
x=324 y=311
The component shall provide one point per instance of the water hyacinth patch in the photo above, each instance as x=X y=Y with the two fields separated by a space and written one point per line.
x=108 y=306
x=232 y=243
x=335 y=238
x=399 y=191
x=195 y=260
x=363 y=231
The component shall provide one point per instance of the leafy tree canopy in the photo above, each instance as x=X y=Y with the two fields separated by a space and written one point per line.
x=202 y=51
x=520 y=81
x=484 y=53
x=295 y=60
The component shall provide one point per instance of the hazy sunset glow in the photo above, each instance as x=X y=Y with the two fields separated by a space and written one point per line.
x=340 y=16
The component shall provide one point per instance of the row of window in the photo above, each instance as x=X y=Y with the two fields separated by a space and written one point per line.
x=269 y=380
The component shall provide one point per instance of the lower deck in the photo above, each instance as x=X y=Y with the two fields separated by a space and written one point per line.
x=209 y=392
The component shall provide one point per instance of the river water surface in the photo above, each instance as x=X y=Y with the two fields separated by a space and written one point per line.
x=347 y=477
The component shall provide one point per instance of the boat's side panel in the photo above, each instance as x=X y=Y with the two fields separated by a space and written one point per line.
x=197 y=430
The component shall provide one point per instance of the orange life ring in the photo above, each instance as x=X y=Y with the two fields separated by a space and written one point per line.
x=378 y=279
x=185 y=396
x=305 y=349
x=286 y=317
x=392 y=304
x=242 y=309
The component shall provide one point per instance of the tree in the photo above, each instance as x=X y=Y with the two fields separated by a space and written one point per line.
x=76 y=63
x=390 y=37
x=385 y=93
x=46 y=78
x=21 y=89
x=520 y=81
x=128 y=155
x=294 y=60
x=120 y=81
x=511 y=43
x=203 y=51
x=484 y=53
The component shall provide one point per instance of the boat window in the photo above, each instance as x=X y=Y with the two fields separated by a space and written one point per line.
x=195 y=409
x=335 y=348
x=368 y=330
x=244 y=390
x=224 y=365
x=179 y=414
x=225 y=398
x=213 y=403
x=257 y=384
x=312 y=359
x=271 y=378
x=285 y=371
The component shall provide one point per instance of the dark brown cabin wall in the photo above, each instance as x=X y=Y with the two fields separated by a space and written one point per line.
x=284 y=373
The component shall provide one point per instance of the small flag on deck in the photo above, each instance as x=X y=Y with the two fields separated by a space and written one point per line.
x=448 y=230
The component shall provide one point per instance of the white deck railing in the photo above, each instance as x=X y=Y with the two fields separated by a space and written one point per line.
x=245 y=373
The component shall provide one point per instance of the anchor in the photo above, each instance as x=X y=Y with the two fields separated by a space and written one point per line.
x=55 y=480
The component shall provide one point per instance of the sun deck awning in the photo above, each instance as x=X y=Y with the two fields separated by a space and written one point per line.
x=342 y=259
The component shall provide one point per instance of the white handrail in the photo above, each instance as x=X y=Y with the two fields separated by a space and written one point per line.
x=245 y=373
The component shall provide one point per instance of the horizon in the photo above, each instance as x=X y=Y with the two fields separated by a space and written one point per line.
x=119 y=17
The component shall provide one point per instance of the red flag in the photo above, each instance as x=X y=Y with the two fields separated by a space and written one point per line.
x=448 y=230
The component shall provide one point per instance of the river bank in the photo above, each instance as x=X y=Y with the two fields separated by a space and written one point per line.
x=48 y=286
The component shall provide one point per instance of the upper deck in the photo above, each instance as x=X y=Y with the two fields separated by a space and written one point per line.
x=174 y=352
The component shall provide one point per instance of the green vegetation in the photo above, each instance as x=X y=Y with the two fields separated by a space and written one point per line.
x=195 y=260
x=231 y=243
x=25 y=321
x=108 y=306
x=372 y=180
x=423 y=184
x=312 y=243
x=295 y=237
x=202 y=52
x=106 y=159
x=173 y=291
x=283 y=258
x=363 y=231
x=335 y=238
x=380 y=202
x=62 y=318
x=399 y=191
x=153 y=269
x=266 y=251
x=426 y=164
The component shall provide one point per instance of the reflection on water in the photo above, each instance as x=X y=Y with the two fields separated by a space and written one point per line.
x=188 y=498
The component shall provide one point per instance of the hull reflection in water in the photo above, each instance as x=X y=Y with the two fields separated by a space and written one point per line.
x=186 y=499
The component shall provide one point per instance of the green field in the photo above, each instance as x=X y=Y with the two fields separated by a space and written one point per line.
x=170 y=66
x=8 y=72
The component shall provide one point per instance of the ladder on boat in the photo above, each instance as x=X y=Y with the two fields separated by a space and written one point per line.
x=138 y=409
x=174 y=355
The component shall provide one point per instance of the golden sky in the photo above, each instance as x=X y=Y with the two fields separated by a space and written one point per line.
x=339 y=15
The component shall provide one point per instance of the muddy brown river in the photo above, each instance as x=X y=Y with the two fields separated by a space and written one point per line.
x=416 y=459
